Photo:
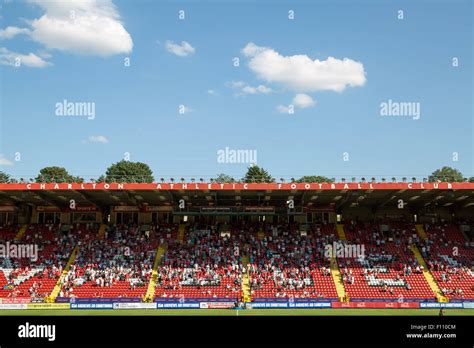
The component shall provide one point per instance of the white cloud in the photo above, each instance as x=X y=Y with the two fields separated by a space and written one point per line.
x=212 y=92
x=10 y=32
x=12 y=58
x=89 y=27
x=4 y=161
x=183 y=50
x=98 y=139
x=255 y=90
x=252 y=49
x=44 y=54
x=247 y=89
x=236 y=84
x=283 y=109
x=303 y=101
x=303 y=74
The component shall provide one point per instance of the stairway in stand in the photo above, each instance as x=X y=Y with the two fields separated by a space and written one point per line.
x=246 y=279
x=428 y=276
x=338 y=283
x=59 y=283
x=421 y=231
x=101 y=233
x=340 y=232
x=181 y=233
x=21 y=232
x=150 y=293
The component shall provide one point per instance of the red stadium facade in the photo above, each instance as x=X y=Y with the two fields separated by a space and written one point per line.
x=241 y=186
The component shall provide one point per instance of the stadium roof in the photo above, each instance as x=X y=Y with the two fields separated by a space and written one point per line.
x=312 y=195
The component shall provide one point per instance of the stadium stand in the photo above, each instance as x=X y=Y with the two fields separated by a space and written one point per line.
x=279 y=260
x=289 y=265
x=389 y=269
x=204 y=265
x=30 y=278
x=117 y=266
x=450 y=260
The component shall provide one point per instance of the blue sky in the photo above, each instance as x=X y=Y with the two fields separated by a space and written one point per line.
x=407 y=60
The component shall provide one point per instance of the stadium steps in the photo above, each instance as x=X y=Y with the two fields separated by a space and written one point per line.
x=340 y=231
x=181 y=232
x=246 y=280
x=421 y=231
x=59 y=283
x=466 y=237
x=150 y=292
x=428 y=276
x=245 y=260
x=101 y=233
x=21 y=232
x=336 y=277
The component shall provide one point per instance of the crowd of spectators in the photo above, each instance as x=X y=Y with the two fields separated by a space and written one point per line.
x=125 y=254
x=205 y=261
x=32 y=276
x=285 y=262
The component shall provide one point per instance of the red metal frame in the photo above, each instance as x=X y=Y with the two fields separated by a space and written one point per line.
x=239 y=186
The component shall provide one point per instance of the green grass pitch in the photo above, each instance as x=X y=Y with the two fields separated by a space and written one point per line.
x=240 y=313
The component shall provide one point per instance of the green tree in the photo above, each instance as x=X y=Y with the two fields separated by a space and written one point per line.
x=471 y=179
x=314 y=178
x=224 y=179
x=100 y=179
x=257 y=174
x=4 y=178
x=57 y=175
x=446 y=174
x=126 y=171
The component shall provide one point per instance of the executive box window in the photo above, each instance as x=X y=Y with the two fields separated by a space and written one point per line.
x=8 y=218
x=127 y=218
x=83 y=217
x=49 y=218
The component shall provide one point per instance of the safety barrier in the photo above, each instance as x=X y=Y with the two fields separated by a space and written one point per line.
x=119 y=304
